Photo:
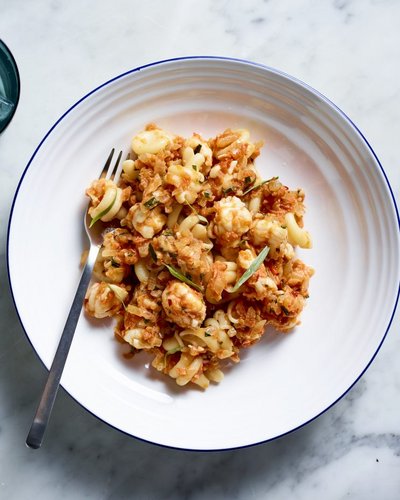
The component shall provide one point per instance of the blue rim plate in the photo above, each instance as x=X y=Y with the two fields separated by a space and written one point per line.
x=310 y=142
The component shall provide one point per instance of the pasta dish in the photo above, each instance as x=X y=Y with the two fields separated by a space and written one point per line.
x=198 y=254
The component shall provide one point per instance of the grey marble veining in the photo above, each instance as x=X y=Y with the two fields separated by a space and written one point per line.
x=347 y=49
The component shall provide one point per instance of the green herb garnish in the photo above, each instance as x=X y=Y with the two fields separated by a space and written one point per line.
x=178 y=275
x=152 y=252
x=120 y=234
x=207 y=334
x=251 y=270
x=285 y=310
x=228 y=190
x=194 y=167
x=207 y=194
x=260 y=184
x=255 y=187
x=151 y=203
x=197 y=149
x=200 y=217
x=104 y=212
x=115 y=263
x=247 y=180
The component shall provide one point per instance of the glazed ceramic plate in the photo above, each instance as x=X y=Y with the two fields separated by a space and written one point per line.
x=284 y=381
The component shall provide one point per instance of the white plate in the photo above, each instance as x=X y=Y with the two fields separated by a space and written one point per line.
x=286 y=380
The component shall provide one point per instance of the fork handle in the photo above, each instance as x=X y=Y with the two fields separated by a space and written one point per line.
x=42 y=415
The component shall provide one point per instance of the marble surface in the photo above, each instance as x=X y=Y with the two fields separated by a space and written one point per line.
x=347 y=49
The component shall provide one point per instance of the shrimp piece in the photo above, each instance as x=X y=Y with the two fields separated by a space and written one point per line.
x=183 y=305
x=232 y=220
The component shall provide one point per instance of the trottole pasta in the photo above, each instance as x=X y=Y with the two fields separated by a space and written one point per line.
x=199 y=253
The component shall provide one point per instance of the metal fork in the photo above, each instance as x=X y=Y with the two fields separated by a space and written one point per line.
x=43 y=412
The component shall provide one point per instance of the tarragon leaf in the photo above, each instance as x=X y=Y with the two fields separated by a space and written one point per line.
x=200 y=217
x=151 y=203
x=285 y=311
x=260 y=184
x=251 y=270
x=178 y=275
x=104 y=212
x=152 y=252
x=228 y=190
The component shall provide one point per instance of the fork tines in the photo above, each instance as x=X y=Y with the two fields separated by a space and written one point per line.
x=112 y=172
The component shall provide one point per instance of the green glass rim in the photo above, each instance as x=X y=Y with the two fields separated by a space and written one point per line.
x=4 y=48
